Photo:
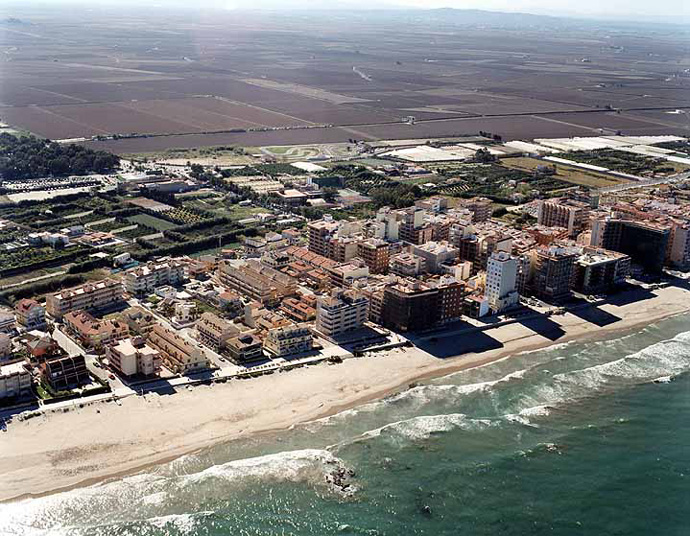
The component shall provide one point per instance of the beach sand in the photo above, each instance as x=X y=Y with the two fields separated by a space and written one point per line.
x=86 y=445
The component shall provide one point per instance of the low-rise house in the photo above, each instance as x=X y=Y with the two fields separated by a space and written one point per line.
x=41 y=346
x=231 y=303
x=5 y=346
x=138 y=320
x=186 y=312
x=30 y=314
x=65 y=372
x=133 y=357
x=7 y=322
x=297 y=310
x=288 y=340
x=245 y=348
x=15 y=380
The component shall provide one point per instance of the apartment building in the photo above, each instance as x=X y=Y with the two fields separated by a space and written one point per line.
x=133 y=357
x=344 y=275
x=678 y=252
x=342 y=248
x=30 y=314
x=276 y=259
x=376 y=254
x=214 y=331
x=143 y=280
x=94 y=333
x=501 y=281
x=102 y=295
x=288 y=340
x=413 y=228
x=178 y=354
x=435 y=254
x=5 y=347
x=599 y=270
x=410 y=306
x=553 y=273
x=566 y=213
x=320 y=233
x=451 y=294
x=645 y=242
x=386 y=225
x=481 y=208
x=436 y=204
x=341 y=312
x=256 y=281
x=309 y=258
x=407 y=265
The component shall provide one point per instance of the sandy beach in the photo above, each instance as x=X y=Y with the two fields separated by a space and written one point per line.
x=86 y=445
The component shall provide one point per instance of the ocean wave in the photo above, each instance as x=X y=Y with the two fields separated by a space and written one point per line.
x=146 y=494
x=537 y=392
x=314 y=466
x=664 y=358
x=424 y=426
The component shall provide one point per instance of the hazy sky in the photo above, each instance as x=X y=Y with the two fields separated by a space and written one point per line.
x=625 y=9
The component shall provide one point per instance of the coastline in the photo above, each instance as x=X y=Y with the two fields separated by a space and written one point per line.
x=108 y=440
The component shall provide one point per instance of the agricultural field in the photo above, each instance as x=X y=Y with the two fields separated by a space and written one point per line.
x=497 y=182
x=590 y=179
x=234 y=80
x=624 y=162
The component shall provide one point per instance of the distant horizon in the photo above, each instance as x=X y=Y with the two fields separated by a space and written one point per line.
x=676 y=12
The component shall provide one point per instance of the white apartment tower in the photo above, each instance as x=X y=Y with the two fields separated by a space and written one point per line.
x=501 y=281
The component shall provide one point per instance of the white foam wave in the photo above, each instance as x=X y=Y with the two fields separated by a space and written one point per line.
x=154 y=499
x=663 y=379
x=184 y=523
x=295 y=466
x=527 y=414
x=660 y=359
x=536 y=411
x=423 y=427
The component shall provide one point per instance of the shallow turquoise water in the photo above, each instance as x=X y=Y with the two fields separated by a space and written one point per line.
x=577 y=439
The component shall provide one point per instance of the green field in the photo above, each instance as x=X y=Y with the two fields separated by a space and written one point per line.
x=150 y=221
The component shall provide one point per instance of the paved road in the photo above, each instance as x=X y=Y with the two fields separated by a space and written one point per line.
x=33 y=279
x=640 y=184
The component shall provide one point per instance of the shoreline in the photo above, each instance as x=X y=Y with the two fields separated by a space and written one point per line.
x=111 y=440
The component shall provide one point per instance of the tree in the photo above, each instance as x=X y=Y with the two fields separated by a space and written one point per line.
x=484 y=156
x=330 y=194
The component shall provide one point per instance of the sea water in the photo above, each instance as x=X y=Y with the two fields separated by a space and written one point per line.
x=581 y=438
